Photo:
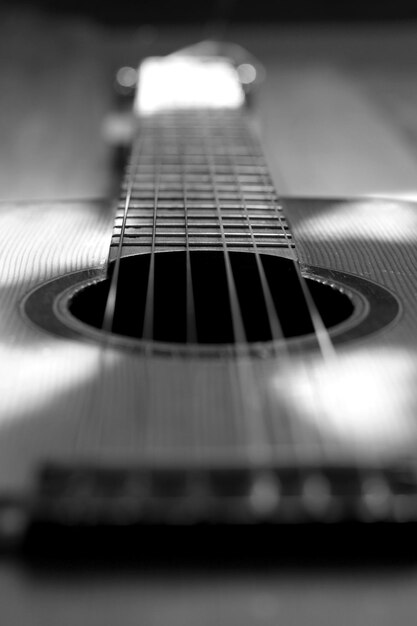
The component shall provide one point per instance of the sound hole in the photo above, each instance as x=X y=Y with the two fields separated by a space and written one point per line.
x=212 y=311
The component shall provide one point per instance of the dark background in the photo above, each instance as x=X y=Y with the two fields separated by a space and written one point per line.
x=254 y=11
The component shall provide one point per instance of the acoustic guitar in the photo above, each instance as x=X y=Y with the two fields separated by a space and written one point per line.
x=207 y=352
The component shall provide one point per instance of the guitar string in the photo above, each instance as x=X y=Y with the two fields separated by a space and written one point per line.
x=152 y=435
x=293 y=429
x=236 y=313
x=148 y=320
x=110 y=305
x=272 y=317
x=199 y=425
x=325 y=344
x=241 y=368
x=320 y=331
x=273 y=320
x=111 y=299
x=323 y=340
x=237 y=378
x=330 y=357
x=191 y=328
x=323 y=337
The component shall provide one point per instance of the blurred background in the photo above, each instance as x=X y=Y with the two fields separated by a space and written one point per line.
x=338 y=107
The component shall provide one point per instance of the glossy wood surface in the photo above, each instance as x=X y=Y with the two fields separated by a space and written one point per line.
x=366 y=78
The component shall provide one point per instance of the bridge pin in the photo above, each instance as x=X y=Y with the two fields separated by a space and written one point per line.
x=316 y=494
x=376 y=501
x=264 y=495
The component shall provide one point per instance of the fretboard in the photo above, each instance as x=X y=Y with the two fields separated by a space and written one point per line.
x=198 y=179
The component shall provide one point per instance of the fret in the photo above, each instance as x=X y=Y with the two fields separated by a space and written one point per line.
x=140 y=223
x=197 y=224
x=201 y=219
x=203 y=232
x=171 y=169
x=139 y=206
x=203 y=210
x=202 y=243
x=222 y=198
x=190 y=162
x=175 y=178
x=199 y=179
x=249 y=240
x=243 y=155
x=204 y=188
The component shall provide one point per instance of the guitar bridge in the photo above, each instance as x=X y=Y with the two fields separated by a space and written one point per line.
x=120 y=496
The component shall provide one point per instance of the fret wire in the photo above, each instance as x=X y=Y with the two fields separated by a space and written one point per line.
x=242 y=233
x=209 y=243
x=203 y=187
x=250 y=179
x=174 y=221
x=198 y=170
x=201 y=214
x=191 y=159
x=141 y=205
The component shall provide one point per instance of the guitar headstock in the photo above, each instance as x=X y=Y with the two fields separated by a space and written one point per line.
x=181 y=81
x=249 y=71
x=207 y=74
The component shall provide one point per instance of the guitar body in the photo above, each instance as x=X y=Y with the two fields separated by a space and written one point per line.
x=311 y=424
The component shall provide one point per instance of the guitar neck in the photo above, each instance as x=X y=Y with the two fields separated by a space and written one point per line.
x=197 y=176
x=198 y=179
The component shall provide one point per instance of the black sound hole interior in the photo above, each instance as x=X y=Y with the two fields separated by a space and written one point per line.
x=213 y=318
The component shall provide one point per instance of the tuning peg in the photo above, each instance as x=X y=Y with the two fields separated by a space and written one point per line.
x=125 y=81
